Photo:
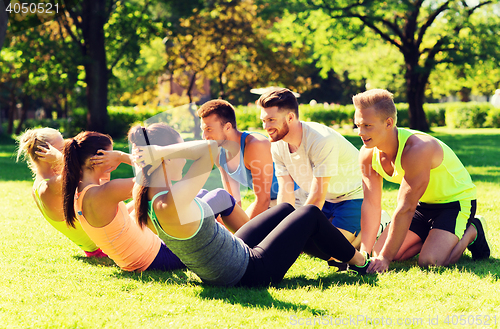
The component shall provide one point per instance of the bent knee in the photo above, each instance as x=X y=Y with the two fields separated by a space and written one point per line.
x=430 y=260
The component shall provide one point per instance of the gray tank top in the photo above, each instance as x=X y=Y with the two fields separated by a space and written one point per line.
x=213 y=253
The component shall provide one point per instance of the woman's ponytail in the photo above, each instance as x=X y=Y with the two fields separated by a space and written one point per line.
x=72 y=172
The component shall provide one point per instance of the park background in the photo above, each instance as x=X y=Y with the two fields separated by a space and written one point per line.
x=105 y=65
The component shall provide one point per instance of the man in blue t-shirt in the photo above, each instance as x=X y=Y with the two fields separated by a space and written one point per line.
x=243 y=158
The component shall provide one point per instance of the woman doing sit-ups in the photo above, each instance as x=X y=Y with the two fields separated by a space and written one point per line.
x=41 y=148
x=259 y=253
x=100 y=209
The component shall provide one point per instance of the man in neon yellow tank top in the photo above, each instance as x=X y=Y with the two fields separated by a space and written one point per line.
x=436 y=203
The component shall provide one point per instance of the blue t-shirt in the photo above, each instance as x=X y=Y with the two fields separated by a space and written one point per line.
x=243 y=175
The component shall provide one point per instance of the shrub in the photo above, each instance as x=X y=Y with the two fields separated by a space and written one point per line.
x=454 y=115
x=467 y=115
x=493 y=118
x=248 y=117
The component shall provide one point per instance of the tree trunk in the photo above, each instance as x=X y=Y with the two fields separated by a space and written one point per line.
x=24 y=111
x=191 y=107
x=222 y=93
x=4 y=20
x=12 y=112
x=416 y=81
x=95 y=65
x=464 y=94
x=197 y=129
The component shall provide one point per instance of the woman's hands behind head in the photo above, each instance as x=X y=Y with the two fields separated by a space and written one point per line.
x=49 y=154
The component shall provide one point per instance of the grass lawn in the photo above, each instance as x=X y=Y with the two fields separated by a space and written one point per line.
x=47 y=282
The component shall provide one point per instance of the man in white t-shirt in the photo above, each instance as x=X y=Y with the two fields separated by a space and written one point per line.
x=317 y=158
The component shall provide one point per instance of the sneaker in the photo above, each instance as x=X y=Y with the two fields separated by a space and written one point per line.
x=480 y=248
x=97 y=253
x=361 y=270
x=341 y=267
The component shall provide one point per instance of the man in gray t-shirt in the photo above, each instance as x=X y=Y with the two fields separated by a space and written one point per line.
x=317 y=158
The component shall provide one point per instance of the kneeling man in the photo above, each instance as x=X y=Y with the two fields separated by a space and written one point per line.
x=436 y=204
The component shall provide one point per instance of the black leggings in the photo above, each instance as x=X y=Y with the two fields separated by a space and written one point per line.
x=277 y=236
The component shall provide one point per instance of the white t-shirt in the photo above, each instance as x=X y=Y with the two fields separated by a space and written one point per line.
x=323 y=152
x=495 y=99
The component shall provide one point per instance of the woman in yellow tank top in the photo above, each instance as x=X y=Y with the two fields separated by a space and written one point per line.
x=41 y=148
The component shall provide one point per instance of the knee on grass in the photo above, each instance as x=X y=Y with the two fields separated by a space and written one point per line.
x=431 y=260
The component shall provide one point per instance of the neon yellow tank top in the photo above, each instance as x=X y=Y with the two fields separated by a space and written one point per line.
x=77 y=234
x=448 y=182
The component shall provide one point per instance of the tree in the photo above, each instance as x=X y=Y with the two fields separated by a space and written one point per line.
x=480 y=76
x=227 y=43
x=357 y=64
x=108 y=34
x=36 y=70
x=426 y=33
x=85 y=24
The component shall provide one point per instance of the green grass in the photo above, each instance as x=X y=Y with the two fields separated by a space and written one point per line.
x=46 y=281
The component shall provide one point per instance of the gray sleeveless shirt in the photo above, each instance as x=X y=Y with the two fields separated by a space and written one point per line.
x=213 y=253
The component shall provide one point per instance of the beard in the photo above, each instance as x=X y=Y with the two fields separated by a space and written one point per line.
x=280 y=132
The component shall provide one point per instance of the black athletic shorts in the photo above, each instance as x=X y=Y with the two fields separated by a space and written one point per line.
x=453 y=217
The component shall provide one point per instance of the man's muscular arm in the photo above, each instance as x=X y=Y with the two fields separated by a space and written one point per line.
x=260 y=162
x=371 y=207
x=416 y=161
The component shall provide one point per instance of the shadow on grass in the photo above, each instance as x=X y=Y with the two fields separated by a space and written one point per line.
x=177 y=277
x=259 y=298
x=482 y=268
x=102 y=261
x=328 y=280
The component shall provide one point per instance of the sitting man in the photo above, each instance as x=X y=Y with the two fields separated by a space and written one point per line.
x=320 y=160
x=249 y=163
x=436 y=200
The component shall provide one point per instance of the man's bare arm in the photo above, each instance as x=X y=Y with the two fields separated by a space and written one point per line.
x=417 y=163
x=371 y=207
x=285 y=193
x=260 y=162
x=317 y=194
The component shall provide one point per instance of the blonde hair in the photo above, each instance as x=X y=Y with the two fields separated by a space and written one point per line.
x=380 y=100
x=29 y=142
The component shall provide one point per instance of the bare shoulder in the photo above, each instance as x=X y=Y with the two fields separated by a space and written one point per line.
x=54 y=185
x=365 y=154
x=421 y=144
x=257 y=138
x=113 y=191
x=421 y=149
x=256 y=145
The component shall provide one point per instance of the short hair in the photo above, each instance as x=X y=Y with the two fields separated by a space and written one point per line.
x=380 y=100
x=283 y=98
x=221 y=108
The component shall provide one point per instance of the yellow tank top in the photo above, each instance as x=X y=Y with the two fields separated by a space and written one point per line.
x=448 y=182
x=77 y=234
x=131 y=247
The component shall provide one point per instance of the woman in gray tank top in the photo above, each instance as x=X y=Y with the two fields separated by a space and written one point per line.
x=259 y=253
